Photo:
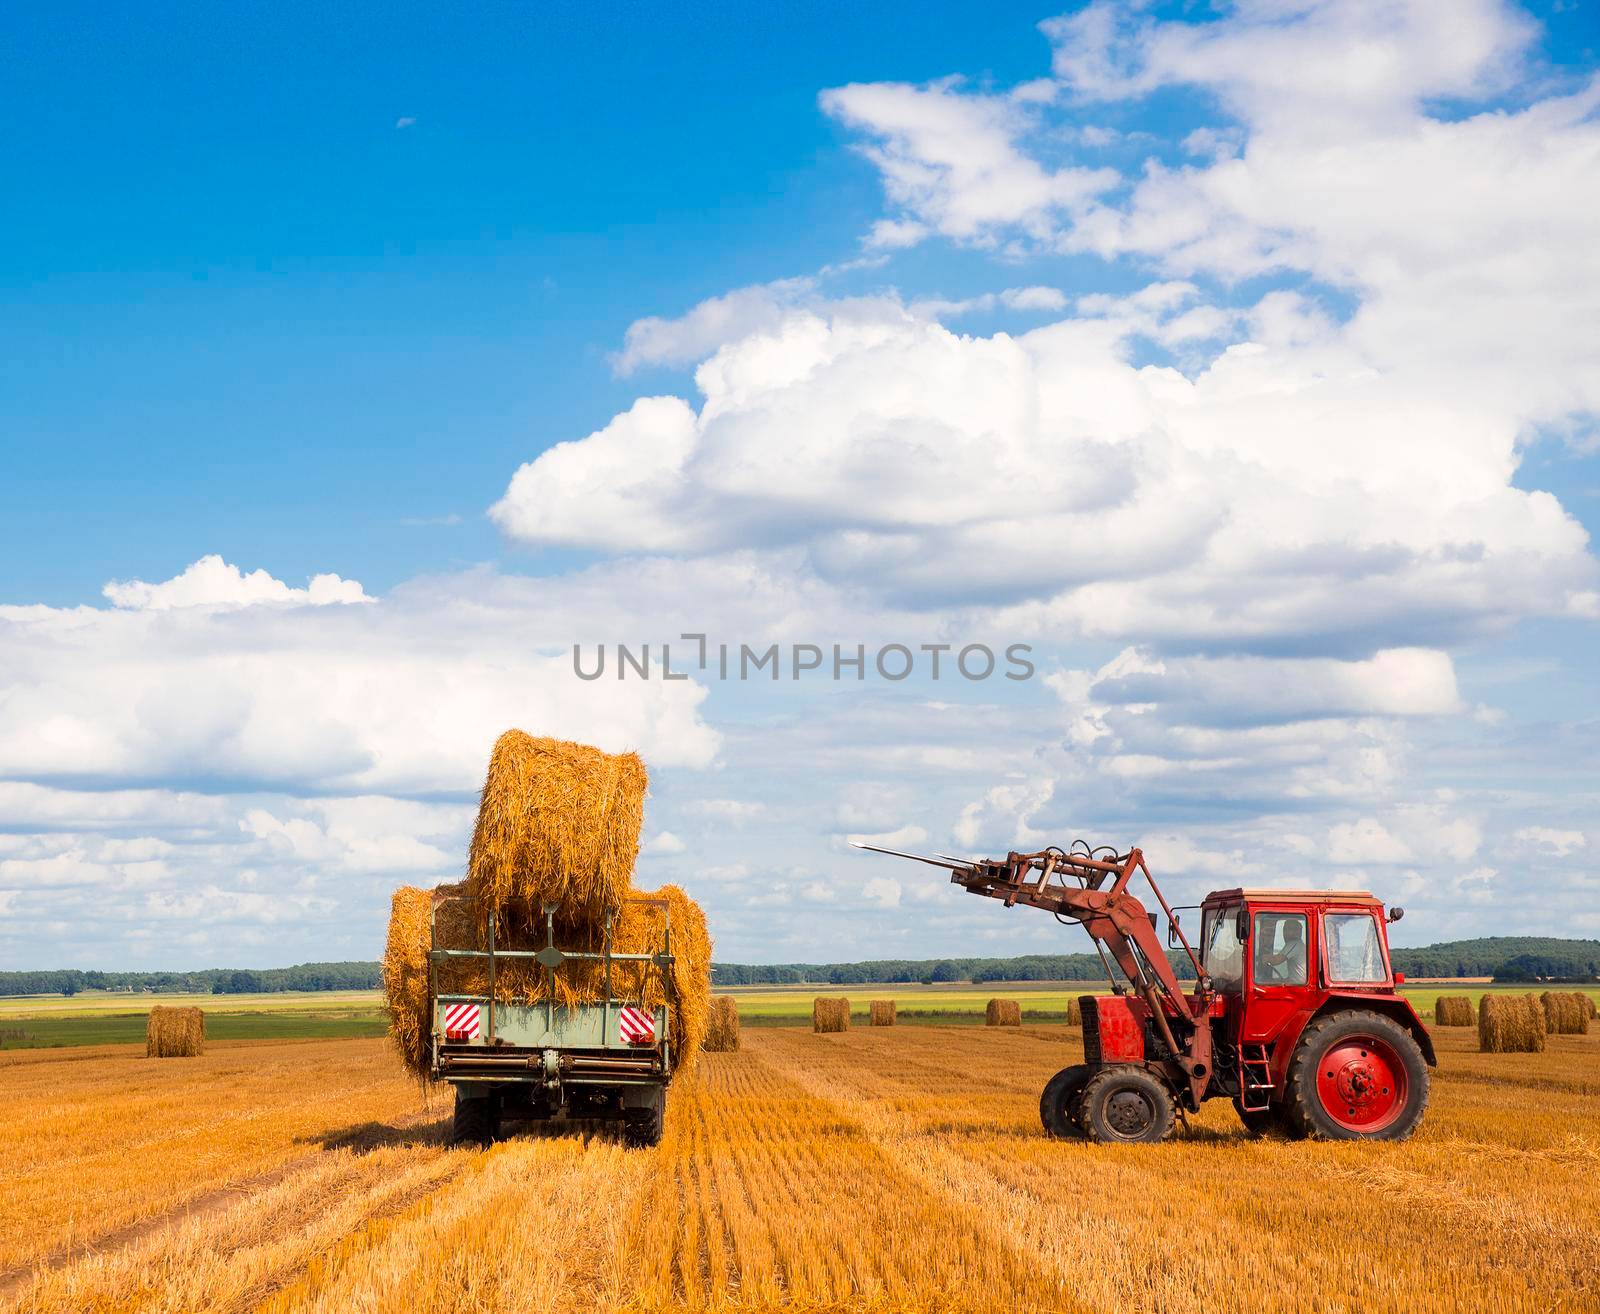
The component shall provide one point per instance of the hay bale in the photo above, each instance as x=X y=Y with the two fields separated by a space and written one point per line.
x=830 y=1014
x=722 y=1031
x=638 y=927
x=882 y=1012
x=1510 y=1024
x=405 y=975
x=1590 y=1010
x=1003 y=1013
x=1453 y=1011
x=174 y=1032
x=1564 y=1013
x=557 y=822
x=1074 y=1012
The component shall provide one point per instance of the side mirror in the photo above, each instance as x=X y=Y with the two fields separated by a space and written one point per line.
x=1242 y=925
x=1172 y=932
x=1396 y=913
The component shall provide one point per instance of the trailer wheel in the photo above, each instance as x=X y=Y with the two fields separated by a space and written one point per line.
x=641 y=1126
x=476 y=1120
x=1356 y=1076
x=1058 y=1104
x=1125 y=1105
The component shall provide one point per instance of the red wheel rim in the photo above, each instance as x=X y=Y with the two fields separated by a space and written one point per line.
x=1361 y=1083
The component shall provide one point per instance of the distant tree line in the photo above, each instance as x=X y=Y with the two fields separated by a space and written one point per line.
x=1505 y=958
x=927 y=971
x=1510 y=958
x=215 y=980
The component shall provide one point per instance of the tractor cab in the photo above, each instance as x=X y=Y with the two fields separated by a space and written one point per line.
x=1282 y=960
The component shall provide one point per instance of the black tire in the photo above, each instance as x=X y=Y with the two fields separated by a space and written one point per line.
x=1125 y=1105
x=1372 y=1064
x=476 y=1120
x=641 y=1128
x=1269 y=1121
x=1058 y=1105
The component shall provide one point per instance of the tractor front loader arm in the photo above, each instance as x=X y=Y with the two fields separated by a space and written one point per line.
x=1094 y=892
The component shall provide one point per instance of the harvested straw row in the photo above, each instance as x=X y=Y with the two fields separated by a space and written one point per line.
x=830 y=1014
x=462 y=923
x=1564 y=1013
x=882 y=1012
x=1003 y=1013
x=1510 y=1024
x=557 y=822
x=174 y=1032
x=722 y=1031
x=1074 y=1012
x=1453 y=1011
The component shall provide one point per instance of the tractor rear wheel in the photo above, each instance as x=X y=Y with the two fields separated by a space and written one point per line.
x=1125 y=1105
x=1058 y=1105
x=476 y=1120
x=1356 y=1076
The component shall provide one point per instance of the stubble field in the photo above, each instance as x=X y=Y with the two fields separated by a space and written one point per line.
x=889 y=1169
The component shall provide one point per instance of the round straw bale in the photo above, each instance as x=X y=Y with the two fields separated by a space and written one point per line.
x=1510 y=1024
x=174 y=1032
x=829 y=1013
x=1074 y=1012
x=1003 y=1013
x=1452 y=1011
x=882 y=1012
x=557 y=822
x=1590 y=1010
x=722 y=1031
x=1564 y=1013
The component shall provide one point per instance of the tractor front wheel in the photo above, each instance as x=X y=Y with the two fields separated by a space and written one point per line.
x=1125 y=1105
x=1058 y=1109
x=1356 y=1076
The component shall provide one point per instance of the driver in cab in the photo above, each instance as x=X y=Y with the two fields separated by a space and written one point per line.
x=1285 y=965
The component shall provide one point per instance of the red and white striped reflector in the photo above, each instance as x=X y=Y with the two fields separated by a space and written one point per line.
x=637 y=1027
x=461 y=1021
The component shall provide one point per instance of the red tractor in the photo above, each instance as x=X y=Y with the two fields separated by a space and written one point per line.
x=1294 y=1014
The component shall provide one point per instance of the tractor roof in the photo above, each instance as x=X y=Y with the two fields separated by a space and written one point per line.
x=1294 y=896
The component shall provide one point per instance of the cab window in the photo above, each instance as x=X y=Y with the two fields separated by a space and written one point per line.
x=1220 y=949
x=1355 y=954
x=1278 y=943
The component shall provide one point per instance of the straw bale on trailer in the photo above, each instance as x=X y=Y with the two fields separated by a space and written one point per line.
x=174 y=1032
x=882 y=1012
x=462 y=924
x=557 y=822
x=722 y=1032
x=1453 y=1011
x=1003 y=1013
x=405 y=975
x=830 y=1014
x=1074 y=1012
x=1564 y=1013
x=1510 y=1024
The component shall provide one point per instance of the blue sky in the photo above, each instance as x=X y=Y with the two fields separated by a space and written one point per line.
x=1239 y=357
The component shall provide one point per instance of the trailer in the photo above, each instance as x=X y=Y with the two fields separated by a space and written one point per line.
x=608 y=1060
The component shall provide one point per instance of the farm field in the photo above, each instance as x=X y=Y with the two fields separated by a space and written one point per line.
x=889 y=1169
x=94 y=1018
